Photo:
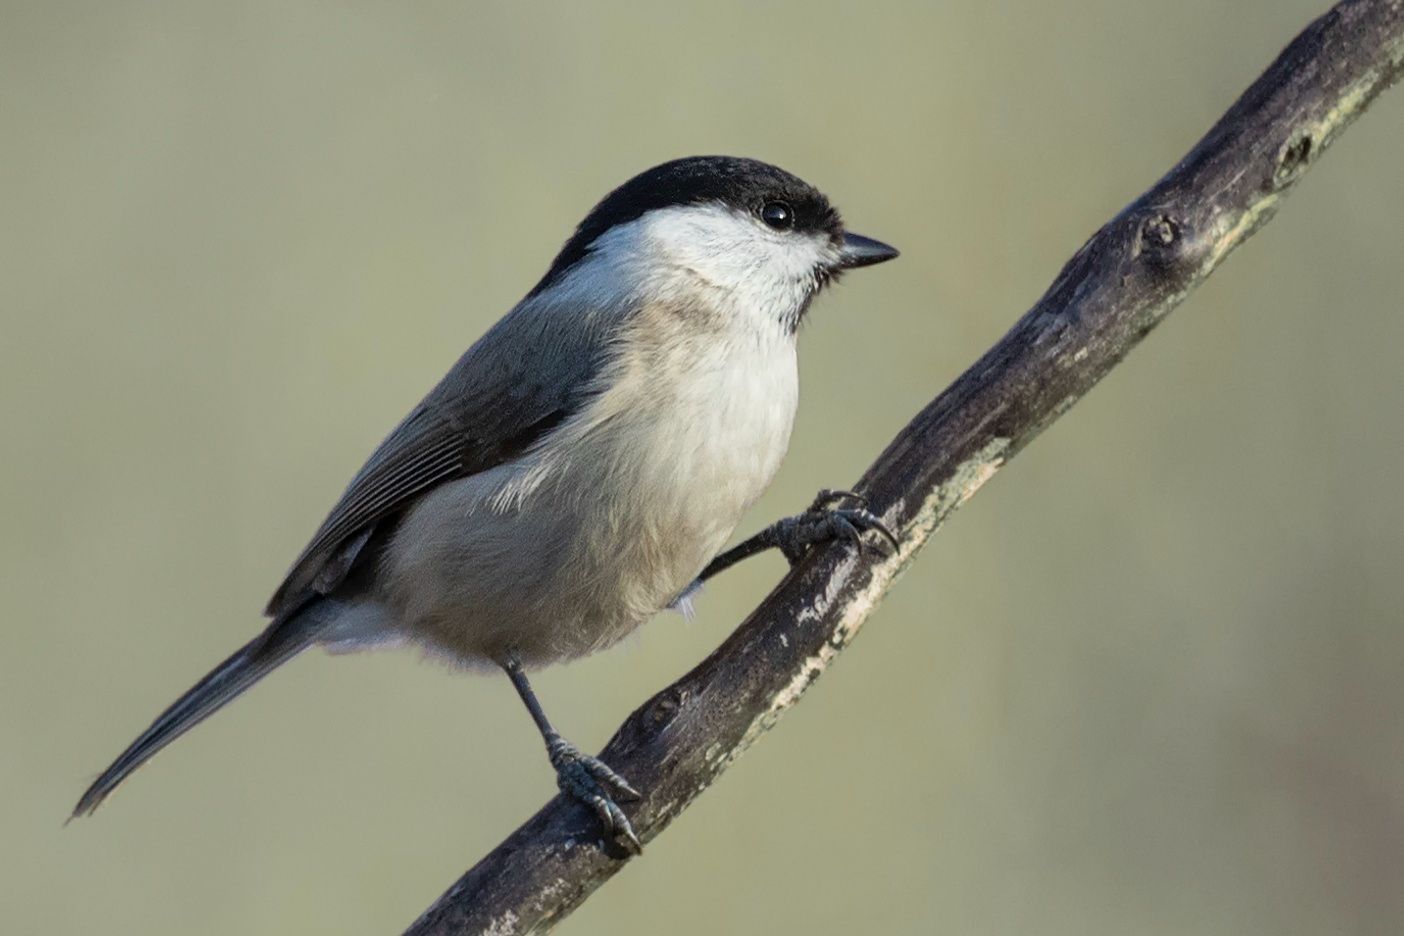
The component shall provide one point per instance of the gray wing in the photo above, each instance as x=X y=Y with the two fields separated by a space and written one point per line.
x=518 y=382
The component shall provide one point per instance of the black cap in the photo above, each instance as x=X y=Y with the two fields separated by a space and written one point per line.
x=745 y=184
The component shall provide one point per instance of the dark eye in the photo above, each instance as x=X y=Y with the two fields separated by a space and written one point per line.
x=778 y=215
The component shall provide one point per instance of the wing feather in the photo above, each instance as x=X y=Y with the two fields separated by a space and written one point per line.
x=512 y=388
x=421 y=452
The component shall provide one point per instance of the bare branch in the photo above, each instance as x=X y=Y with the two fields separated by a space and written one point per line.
x=1113 y=291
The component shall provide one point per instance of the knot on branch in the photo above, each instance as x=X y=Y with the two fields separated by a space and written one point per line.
x=1162 y=246
x=663 y=708
x=1159 y=233
x=1292 y=160
x=649 y=722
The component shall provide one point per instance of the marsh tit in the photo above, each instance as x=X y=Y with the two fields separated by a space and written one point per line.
x=582 y=464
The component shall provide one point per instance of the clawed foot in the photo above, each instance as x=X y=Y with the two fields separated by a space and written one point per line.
x=825 y=521
x=591 y=781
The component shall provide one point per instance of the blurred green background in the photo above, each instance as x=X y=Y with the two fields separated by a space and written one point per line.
x=1148 y=681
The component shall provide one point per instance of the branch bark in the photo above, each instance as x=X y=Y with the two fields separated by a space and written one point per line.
x=1114 y=290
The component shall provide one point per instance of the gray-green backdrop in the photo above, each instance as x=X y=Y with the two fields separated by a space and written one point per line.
x=1149 y=681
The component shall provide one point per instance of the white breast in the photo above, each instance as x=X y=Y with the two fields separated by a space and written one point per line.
x=689 y=434
x=706 y=417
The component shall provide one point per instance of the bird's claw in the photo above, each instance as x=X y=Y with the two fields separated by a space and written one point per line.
x=826 y=521
x=592 y=782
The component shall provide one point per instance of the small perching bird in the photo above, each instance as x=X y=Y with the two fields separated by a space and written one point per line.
x=582 y=464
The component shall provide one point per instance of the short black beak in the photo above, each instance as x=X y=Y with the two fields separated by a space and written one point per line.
x=859 y=251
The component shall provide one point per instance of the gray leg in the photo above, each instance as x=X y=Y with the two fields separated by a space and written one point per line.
x=823 y=522
x=585 y=778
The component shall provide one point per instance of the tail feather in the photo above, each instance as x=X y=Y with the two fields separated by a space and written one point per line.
x=280 y=642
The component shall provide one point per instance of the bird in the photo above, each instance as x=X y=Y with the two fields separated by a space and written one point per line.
x=580 y=467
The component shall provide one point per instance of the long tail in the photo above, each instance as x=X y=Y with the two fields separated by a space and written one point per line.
x=280 y=642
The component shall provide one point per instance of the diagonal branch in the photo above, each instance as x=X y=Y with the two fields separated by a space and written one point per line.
x=1114 y=290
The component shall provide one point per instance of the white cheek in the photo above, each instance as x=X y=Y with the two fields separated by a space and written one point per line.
x=742 y=263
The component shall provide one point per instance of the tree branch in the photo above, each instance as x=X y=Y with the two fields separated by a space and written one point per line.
x=1114 y=290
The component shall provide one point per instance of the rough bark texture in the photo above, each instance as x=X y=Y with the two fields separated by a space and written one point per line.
x=1123 y=281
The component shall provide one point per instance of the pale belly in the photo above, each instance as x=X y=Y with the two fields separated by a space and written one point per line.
x=570 y=550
